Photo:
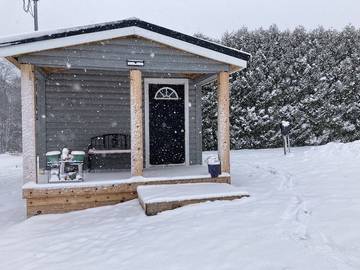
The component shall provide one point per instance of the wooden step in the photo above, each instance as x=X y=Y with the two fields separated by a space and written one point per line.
x=158 y=198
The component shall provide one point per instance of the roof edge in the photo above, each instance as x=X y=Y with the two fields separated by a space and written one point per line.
x=128 y=23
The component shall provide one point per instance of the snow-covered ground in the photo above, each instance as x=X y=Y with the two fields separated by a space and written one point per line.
x=303 y=213
x=12 y=207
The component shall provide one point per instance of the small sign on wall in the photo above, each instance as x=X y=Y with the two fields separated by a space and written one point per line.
x=135 y=63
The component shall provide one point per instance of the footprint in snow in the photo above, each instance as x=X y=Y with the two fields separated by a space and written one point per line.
x=287 y=182
x=296 y=219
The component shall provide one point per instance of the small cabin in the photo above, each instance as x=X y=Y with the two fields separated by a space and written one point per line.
x=127 y=94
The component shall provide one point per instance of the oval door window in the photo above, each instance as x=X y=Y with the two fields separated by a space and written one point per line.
x=166 y=93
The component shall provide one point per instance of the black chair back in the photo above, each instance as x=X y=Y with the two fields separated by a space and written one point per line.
x=115 y=141
x=110 y=141
x=97 y=143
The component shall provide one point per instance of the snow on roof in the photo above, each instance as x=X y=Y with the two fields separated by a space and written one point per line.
x=45 y=40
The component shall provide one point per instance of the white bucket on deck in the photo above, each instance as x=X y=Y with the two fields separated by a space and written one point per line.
x=213 y=160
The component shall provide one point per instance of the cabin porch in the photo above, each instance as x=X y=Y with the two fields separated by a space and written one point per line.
x=107 y=188
x=73 y=129
x=131 y=78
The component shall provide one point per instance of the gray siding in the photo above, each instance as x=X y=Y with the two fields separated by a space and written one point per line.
x=194 y=150
x=113 y=54
x=40 y=119
x=80 y=105
x=198 y=131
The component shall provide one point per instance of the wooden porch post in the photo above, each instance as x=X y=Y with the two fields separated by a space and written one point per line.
x=28 y=122
x=136 y=123
x=224 y=121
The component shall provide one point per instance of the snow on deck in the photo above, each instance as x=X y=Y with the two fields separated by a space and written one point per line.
x=104 y=183
x=152 y=174
x=180 y=192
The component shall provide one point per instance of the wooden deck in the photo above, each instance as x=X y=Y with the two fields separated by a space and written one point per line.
x=157 y=198
x=65 y=197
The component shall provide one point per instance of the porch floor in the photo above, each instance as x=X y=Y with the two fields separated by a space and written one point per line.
x=153 y=172
x=161 y=171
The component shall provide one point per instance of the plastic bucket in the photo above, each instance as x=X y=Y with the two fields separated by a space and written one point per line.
x=214 y=166
x=78 y=156
x=52 y=156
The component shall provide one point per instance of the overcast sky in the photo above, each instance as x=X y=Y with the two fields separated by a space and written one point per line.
x=190 y=16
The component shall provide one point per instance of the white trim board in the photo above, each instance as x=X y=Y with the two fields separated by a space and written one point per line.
x=184 y=82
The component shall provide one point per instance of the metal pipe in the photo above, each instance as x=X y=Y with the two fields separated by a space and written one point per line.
x=36 y=24
x=288 y=143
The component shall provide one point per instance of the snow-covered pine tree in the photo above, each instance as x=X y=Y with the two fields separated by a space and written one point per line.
x=310 y=78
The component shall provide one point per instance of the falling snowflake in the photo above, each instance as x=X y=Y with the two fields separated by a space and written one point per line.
x=77 y=86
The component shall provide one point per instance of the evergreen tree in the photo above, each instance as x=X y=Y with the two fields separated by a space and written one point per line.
x=310 y=78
